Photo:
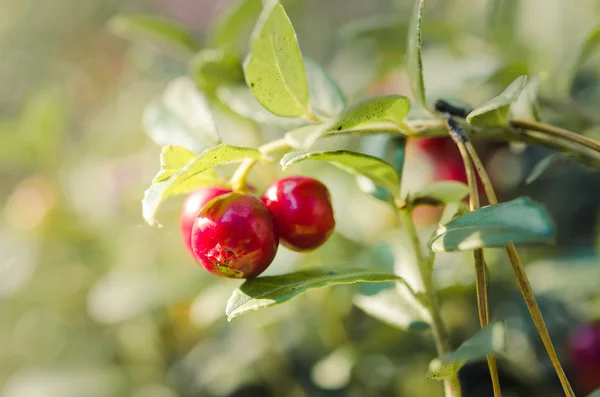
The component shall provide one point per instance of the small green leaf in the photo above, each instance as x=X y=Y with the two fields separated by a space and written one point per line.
x=172 y=159
x=443 y=191
x=326 y=98
x=393 y=308
x=495 y=112
x=489 y=340
x=196 y=173
x=518 y=221
x=274 y=69
x=154 y=30
x=232 y=28
x=212 y=68
x=544 y=164
x=414 y=55
x=268 y=291
x=374 y=114
x=181 y=117
x=595 y=393
x=380 y=172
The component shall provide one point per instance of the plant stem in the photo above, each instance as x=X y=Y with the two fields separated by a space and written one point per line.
x=480 y=269
x=523 y=280
x=557 y=132
x=238 y=180
x=440 y=335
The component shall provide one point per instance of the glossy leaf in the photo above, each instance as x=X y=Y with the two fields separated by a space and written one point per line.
x=181 y=117
x=519 y=221
x=443 y=191
x=268 y=291
x=489 y=340
x=154 y=30
x=326 y=98
x=414 y=54
x=172 y=159
x=274 y=69
x=495 y=112
x=374 y=114
x=234 y=25
x=377 y=170
x=196 y=173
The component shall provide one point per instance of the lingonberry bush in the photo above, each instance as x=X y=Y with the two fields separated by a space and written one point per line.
x=232 y=232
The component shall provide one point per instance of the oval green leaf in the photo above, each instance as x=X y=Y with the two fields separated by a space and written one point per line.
x=374 y=115
x=488 y=340
x=326 y=98
x=518 y=221
x=231 y=30
x=196 y=173
x=495 y=112
x=274 y=69
x=172 y=159
x=268 y=291
x=377 y=170
x=442 y=191
x=211 y=68
x=414 y=54
x=595 y=393
x=155 y=30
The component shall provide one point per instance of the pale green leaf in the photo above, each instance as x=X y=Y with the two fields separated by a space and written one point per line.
x=211 y=68
x=443 y=191
x=196 y=173
x=268 y=291
x=374 y=115
x=326 y=98
x=495 y=112
x=172 y=159
x=595 y=393
x=414 y=54
x=489 y=340
x=518 y=221
x=154 y=30
x=274 y=69
x=377 y=170
x=231 y=30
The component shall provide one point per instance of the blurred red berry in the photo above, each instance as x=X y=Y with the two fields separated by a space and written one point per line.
x=584 y=347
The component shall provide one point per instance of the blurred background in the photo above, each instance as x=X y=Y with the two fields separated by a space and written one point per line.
x=96 y=303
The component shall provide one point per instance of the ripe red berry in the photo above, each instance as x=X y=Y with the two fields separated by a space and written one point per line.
x=192 y=205
x=302 y=211
x=234 y=236
x=584 y=346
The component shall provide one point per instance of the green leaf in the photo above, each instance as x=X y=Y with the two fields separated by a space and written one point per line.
x=232 y=28
x=544 y=164
x=595 y=393
x=155 y=30
x=518 y=221
x=414 y=55
x=274 y=69
x=374 y=114
x=181 y=117
x=326 y=98
x=172 y=159
x=442 y=191
x=196 y=173
x=268 y=291
x=391 y=307
x=211 y=68
x=489 y=340
x=306 y=136
x=495 y=112
x=240 y=100
x=380 y=172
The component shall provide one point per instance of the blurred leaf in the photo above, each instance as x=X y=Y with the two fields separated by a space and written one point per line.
x=326 y=98
x=394 y=309
x=495 y=112
x=443 y=191
x=452 y=210
x=390 y=149
x=274 y=70
x=355 y=163
x=526 y=106
x=489 y=340
x=306 y=136
x=154 y=30
x=518 y=221
x=375 y=114
x=172 y=159
x=211 y=68
x=545 y=163
x=414 y=55
x=356 y=67
x=196 y=173
x=231 y=30
x=595 y=393
x=502 y=18
x=263 y=292
x=181 y=117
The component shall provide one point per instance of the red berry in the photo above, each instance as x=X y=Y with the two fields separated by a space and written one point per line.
x=584 y=345
x=234 y=236
x=192 y=204
x=302 y=211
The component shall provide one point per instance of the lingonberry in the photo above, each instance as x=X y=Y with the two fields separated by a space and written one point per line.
x=234 y=236
x=192 y=205
x=584 y=346
x=302 y=211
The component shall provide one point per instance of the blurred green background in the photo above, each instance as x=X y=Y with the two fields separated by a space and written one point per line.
x=95 y=303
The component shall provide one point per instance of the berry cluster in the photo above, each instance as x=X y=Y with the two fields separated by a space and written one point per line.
x=235 y=234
